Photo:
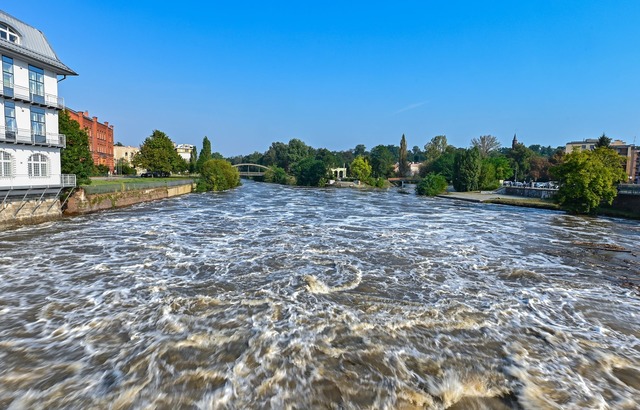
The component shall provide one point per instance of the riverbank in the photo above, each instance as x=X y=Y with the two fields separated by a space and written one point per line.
x=538 y=203
x=124 y=193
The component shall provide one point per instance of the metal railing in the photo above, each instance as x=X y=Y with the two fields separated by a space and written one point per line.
x=18 y=92
x=629 y=189
x=133 y=185
x=24 y=181
x=25 y=136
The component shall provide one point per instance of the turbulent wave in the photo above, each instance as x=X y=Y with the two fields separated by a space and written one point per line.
x=271 y=296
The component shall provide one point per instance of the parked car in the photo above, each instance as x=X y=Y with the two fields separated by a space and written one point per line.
x=155 y=174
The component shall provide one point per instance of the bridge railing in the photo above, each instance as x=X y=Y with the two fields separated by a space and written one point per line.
x=247 y=173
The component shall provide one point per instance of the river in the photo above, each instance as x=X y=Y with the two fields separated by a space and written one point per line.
x=278 y=297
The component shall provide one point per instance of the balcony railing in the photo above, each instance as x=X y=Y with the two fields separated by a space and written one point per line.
x=18 y=92
x=24 y=136
x=23 y=181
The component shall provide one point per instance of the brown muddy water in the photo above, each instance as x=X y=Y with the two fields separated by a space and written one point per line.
x=274 y=297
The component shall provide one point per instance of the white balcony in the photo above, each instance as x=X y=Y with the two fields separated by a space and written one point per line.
x=20 y=93
x=24 y=182
x=28 y=137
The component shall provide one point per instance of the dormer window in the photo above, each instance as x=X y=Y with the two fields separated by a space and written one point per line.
x=7 y=33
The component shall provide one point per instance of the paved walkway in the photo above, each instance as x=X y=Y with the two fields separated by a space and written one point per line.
x=481 y=196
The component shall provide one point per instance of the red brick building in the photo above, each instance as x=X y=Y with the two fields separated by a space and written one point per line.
x=100 y=137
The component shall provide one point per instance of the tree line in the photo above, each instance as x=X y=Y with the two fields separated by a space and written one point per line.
x=587 y=179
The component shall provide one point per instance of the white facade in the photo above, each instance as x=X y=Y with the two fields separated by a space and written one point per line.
x=184 y=150
x=30 y=142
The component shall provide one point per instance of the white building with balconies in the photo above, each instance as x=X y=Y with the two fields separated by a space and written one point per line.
x=30 y=143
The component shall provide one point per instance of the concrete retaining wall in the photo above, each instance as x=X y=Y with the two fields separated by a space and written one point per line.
x=625 y=202
x=15 y=213
x=530 y=192
x=83 y=203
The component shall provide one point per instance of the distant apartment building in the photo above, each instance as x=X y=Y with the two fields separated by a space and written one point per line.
x=125 y=153
x=630 y=153
x=184 y=150
x=100 y=137
x=414 y=168
x=30 y=141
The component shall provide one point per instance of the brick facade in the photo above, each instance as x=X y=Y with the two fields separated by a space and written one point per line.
x=100 y=137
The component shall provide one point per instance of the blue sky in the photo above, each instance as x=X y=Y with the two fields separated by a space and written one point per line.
x=338 y=74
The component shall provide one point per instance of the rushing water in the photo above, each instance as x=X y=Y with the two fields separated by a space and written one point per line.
x=277 y=297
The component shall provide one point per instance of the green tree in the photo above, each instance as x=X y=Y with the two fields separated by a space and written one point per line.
x=443 y=165
x=502 y=167
x=487 y=179
x=277 y=154
x=276 y=175
x=382 y=161
x=193 y=160
x=434 y=148
x=360 y=168
x=466 y=170
x=75 y=157
x=603 y=141
x=403 y=164
x=418 y=155
x=296 y=152
x=124 y=168
x=360 y=150
x=217 y=175
x=432 y=185
x=327 y=157
x=588 y=179
x=520 y=157
x=310 y=172
x=205 y=153
x=157 y=153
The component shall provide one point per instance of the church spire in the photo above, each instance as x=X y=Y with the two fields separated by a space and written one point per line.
x=514 y=142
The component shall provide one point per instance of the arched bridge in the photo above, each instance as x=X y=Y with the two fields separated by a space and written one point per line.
x=249 y=170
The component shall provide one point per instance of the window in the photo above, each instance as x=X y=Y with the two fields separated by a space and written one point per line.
x=6 y=164
x=38 y=130
x=38 y=165
x=11 y=127
x=7 y=76
x=36 y=84
x=7 y=33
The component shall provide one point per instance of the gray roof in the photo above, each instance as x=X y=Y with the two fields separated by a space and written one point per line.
x=33 y=44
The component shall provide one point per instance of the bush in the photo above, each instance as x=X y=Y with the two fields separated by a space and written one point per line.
x=431 y=185
x=100 y=170
x=376 y=182
x=276 y=175
x=217 y=175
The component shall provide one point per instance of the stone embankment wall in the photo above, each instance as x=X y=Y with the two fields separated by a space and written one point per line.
x=14 y=212
x=83 y=203
x=530 y=192
x=626 y=202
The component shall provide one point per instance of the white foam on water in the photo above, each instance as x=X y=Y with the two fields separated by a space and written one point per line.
x=318 y=299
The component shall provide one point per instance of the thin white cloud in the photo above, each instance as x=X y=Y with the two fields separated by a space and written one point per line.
x=410 y=107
